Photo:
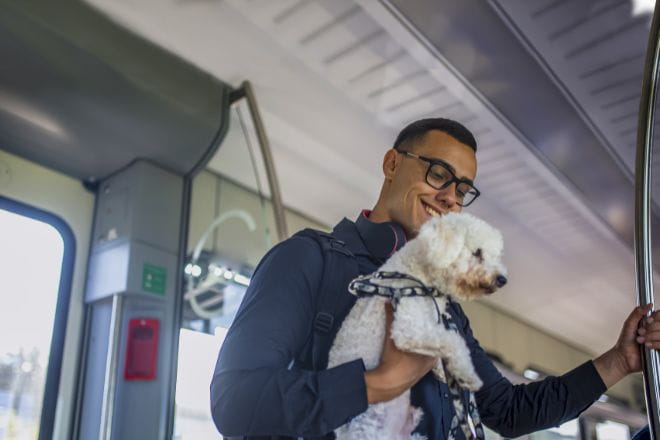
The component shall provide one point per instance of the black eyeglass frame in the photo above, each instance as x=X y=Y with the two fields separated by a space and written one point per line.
x=446 y=166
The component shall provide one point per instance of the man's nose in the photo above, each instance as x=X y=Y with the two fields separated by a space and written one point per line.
x=447 y=196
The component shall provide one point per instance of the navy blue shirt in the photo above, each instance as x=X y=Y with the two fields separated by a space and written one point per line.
x=255 y=391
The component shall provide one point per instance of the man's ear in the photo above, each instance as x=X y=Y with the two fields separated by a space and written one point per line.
x=391 y=162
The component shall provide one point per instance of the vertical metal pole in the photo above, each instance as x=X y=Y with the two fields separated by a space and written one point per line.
x=178 y=302
x=280 y=220
x=111 y=367
x=644 y=280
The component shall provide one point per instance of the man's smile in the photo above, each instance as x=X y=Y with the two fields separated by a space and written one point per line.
x=433 y=212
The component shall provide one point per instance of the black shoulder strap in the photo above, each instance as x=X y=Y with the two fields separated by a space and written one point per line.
x=333 y=301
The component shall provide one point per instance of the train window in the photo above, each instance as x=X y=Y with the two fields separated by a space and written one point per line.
x=610 y=430
x=31 y=269
x=568 y=431
x=197 y=356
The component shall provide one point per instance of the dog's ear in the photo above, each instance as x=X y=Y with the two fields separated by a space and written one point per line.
x=443 y=238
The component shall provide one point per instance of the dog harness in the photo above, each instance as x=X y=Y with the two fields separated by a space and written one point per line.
x=371 y=285
x=365 y=286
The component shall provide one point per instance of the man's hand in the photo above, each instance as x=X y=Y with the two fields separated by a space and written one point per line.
x=398 y=370
x=649 y=334
x=625 y=357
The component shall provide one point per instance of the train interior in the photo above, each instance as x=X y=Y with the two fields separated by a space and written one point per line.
x=140 y=184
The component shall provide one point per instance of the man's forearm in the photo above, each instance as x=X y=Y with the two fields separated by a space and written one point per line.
x=515 y=410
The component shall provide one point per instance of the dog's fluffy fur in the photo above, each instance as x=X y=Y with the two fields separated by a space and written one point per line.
x=458 y=254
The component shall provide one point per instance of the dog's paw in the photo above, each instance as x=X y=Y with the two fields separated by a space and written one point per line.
x=439 y=371
x=463 y=373
x=469 y=381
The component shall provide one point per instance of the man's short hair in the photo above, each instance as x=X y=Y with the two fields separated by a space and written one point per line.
x=415 y=132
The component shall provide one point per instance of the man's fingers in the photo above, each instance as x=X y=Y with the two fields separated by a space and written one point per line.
x=653 y=345
x=649 y=337
x=655 y=316
x=650 y=326
x=389 y=317
x=643 y=310
x=637 y=314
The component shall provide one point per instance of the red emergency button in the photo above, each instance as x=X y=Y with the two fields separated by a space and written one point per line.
x=142 y=349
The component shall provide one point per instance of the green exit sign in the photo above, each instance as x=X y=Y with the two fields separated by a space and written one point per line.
x=154 y=278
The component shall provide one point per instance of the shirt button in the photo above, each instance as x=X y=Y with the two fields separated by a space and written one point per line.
x=446 y=396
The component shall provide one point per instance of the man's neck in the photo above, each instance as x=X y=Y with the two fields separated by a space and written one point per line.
x=379 y=215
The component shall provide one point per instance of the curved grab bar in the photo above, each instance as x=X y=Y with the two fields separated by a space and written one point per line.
x=234 y=213
x=247 y=92
x=191 y=294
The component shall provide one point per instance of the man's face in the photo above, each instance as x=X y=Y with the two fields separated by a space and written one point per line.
x=410 y=200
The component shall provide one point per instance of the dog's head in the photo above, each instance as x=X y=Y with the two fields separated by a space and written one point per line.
x=462 y=255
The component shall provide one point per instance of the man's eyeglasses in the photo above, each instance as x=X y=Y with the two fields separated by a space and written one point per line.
x=439 y=175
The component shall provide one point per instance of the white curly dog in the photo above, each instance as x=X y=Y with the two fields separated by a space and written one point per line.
x=455 y=255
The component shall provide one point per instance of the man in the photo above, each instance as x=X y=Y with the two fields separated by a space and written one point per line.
x=256 y=389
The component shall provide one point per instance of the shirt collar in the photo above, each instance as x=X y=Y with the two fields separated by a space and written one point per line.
x=380 y=239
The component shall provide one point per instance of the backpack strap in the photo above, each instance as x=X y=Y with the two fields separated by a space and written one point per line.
x=333 y=301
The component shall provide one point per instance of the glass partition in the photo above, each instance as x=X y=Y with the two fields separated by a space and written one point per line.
x=232 y=225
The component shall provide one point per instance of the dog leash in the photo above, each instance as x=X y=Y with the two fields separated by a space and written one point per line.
x=365 y=285
x=459 y=420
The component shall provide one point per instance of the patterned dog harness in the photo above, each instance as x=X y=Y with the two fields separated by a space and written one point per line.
x=369 y=285
x=365 y=286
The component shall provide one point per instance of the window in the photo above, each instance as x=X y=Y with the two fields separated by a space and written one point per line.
x=610 y=430
x=568 y=431
x=198 y=352
x=36 y=262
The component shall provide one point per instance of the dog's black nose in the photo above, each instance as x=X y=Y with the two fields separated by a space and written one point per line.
x=500 y=280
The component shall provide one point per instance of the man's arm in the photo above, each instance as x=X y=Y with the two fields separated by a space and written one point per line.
x=515 y=410
x=253 y=391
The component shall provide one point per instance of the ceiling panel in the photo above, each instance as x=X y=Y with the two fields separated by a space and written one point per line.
x=595 y=51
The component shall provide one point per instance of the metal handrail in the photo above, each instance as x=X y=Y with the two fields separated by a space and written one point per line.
x=278 y=206
x=111 y=368
x=643 y=261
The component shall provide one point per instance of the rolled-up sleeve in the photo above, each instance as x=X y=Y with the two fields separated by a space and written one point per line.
x=515 y=410
x=253 y=391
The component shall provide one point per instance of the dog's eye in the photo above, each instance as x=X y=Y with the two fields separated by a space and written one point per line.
x=478 y=254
